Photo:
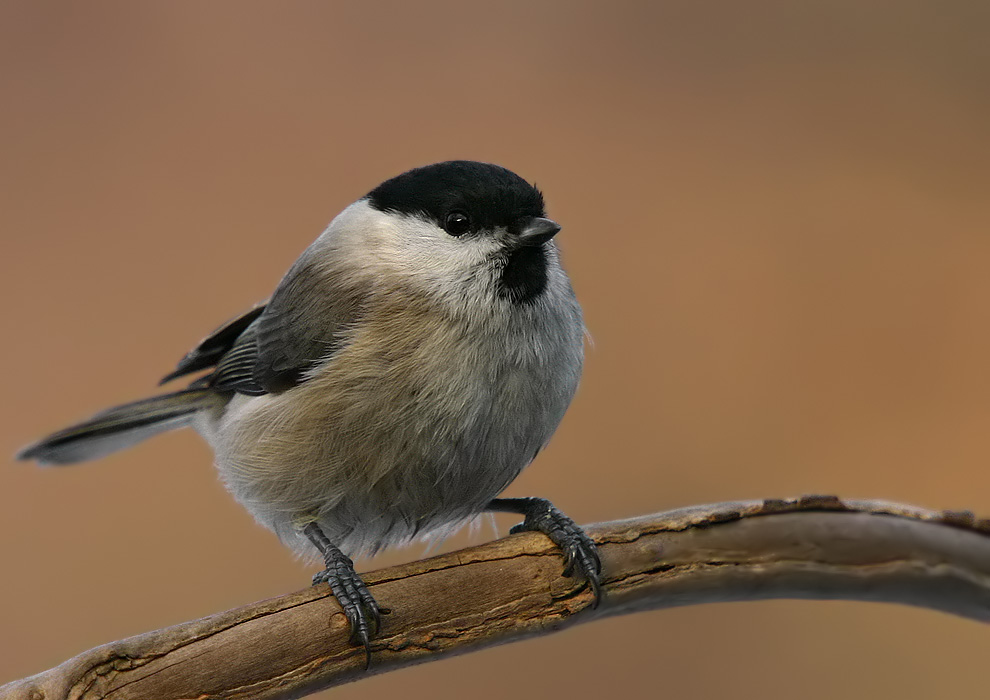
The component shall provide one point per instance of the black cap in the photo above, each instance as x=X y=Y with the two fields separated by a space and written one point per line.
x=490 y=195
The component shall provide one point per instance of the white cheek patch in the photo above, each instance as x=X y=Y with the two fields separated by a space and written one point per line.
x=384 y=247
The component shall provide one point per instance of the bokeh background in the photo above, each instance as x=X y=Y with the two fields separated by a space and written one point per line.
x=775 y=214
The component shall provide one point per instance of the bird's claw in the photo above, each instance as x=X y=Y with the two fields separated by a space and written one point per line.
x=362 y=611
x=580 y=552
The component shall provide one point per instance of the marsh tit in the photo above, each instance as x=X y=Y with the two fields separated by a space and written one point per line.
x=416 y=357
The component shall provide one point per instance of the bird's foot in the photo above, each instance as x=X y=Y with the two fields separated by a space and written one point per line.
x=359 y=606
x=580 y=552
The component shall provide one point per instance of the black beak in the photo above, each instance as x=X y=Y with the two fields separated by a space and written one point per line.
x=536 y=230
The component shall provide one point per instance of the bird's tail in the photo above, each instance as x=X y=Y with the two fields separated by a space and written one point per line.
x=118 y=427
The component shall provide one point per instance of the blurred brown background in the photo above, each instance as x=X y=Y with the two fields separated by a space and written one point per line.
x=775 y=214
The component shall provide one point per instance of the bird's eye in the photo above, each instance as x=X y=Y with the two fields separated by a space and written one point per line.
x=457 y=223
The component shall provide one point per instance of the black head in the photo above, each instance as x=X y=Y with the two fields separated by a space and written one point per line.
x=461 y=196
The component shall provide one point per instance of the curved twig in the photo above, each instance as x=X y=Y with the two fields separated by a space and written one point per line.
x=813 y=547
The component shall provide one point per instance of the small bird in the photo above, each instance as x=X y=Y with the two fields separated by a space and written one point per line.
x=416 y=357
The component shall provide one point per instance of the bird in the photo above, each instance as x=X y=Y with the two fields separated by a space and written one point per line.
x=411 y=363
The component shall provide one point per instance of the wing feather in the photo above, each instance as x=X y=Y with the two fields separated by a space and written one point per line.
x=302 y=325
x=271 y=347
x=214 y=346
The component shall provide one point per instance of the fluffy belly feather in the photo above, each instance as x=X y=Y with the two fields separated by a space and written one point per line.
x=369 y=450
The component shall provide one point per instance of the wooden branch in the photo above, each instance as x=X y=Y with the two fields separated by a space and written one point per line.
x=813 y=547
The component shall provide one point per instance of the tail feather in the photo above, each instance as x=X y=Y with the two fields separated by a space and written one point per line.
x=117 y=428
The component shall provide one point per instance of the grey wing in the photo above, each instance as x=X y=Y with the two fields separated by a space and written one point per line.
x=303 y=325
x=214 y=346
x=272 y=346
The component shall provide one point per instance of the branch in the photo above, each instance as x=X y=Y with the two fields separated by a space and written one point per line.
x=813 y=547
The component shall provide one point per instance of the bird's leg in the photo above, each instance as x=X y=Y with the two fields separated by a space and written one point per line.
x=359 y=606
x=540 y=515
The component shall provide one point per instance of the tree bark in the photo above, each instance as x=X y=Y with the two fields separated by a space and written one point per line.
x=815 y=547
